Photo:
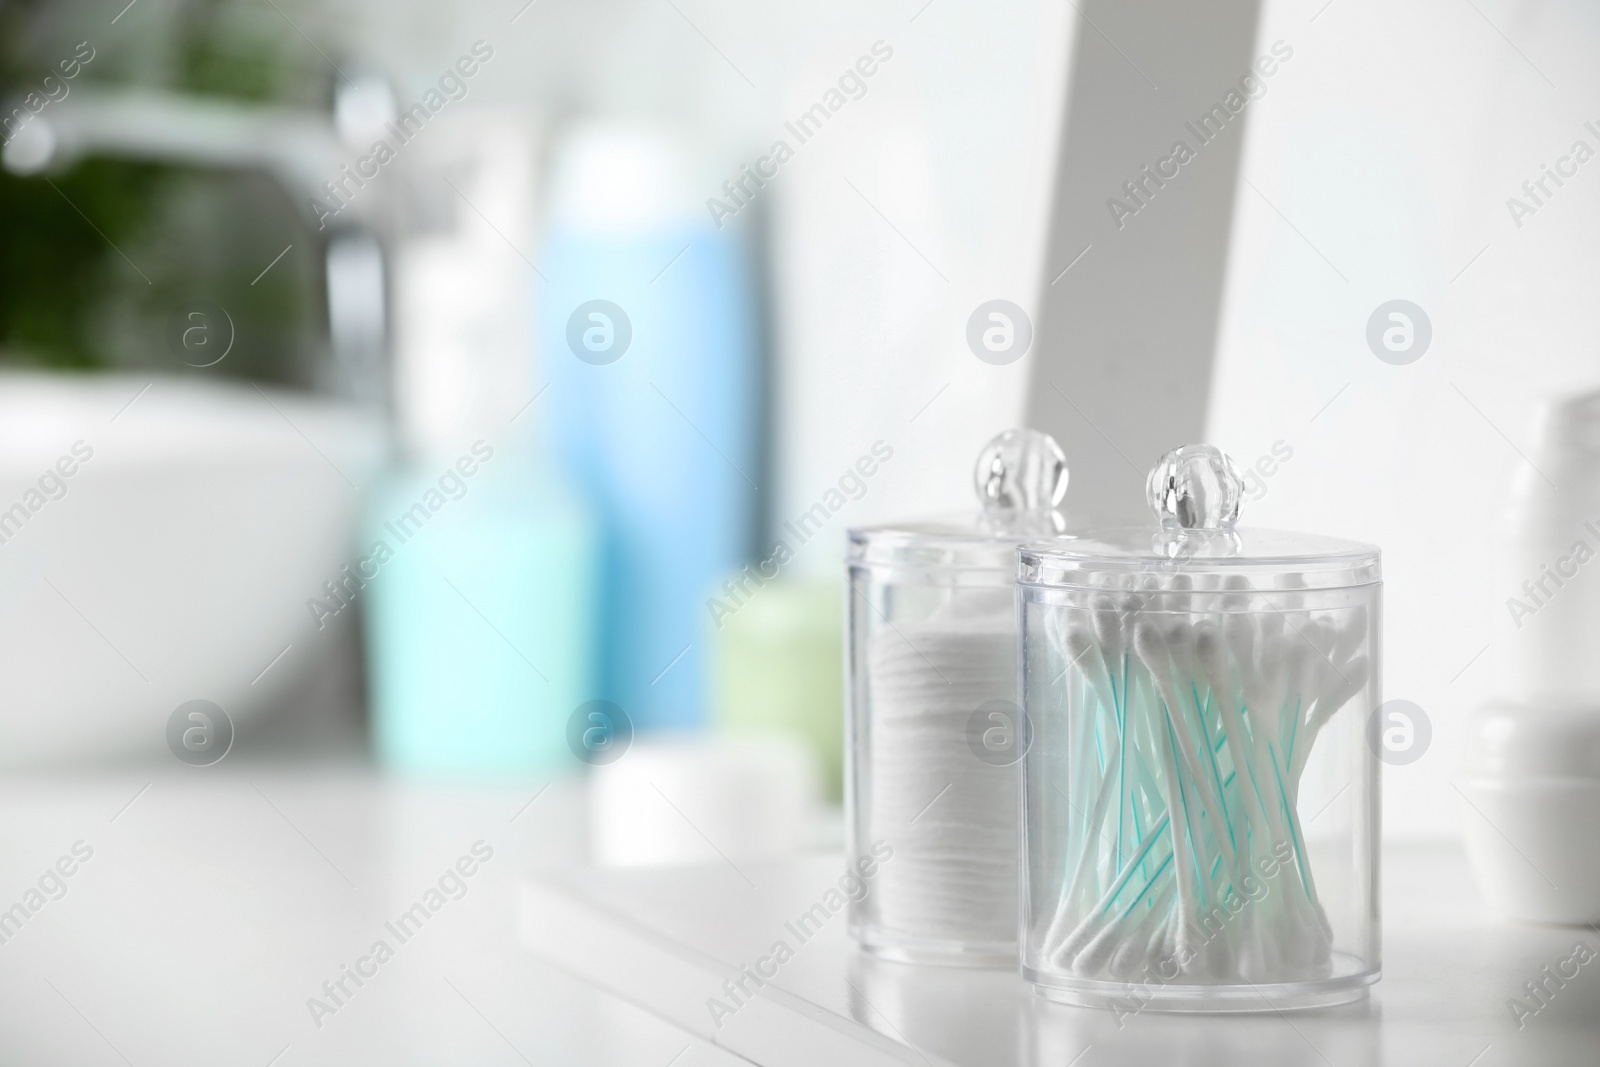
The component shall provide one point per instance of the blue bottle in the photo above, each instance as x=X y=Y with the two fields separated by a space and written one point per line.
x=648 y=328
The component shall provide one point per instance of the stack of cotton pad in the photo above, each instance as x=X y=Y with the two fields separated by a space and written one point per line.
x=951 y=817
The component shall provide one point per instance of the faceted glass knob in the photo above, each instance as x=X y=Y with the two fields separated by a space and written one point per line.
x=1195 y=487
x=1020 y=472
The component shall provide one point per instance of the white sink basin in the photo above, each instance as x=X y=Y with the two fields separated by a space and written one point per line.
x=177 y=563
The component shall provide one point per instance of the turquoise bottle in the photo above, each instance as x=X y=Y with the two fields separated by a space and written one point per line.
x=480 y=626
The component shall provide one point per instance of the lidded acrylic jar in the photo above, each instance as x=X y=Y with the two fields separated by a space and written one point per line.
x=932 y=723
x=1200 y=798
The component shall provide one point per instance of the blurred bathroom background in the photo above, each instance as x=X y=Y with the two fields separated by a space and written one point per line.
x=532 y=436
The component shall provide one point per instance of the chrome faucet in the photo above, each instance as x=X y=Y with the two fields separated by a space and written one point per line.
x=302 y=150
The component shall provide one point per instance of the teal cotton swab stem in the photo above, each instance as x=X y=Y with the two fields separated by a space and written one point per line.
x=1122 y=748
x=1155 y=652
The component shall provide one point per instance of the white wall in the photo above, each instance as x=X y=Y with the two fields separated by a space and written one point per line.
x=1387 y=149
x=896 y=222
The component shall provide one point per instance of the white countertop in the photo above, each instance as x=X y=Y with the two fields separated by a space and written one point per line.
x=217 y=901
x=669 y=939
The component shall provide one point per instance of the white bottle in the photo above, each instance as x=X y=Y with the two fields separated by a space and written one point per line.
x=1533 y=756
x=1547 y=562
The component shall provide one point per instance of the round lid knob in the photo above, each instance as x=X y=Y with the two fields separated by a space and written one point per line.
x=1196 y=487
x=1020 y=472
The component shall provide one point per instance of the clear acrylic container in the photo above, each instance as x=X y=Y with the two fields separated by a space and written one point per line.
x=1200 y=799
x=932 y=724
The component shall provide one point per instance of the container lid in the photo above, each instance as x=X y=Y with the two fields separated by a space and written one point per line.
x=1510 y=741
x=1019 y=479
x=1195 y=493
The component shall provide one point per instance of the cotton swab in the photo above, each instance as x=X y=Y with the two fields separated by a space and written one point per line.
x=1202 y=714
